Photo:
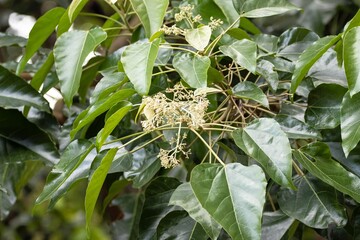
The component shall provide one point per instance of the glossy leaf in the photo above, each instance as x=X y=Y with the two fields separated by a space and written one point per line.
x=75 y=7
x=70 y=160
x=16 y=128
x=268 y=144
x=350 y=125
x=151 y=14
x=198 y=37
x=324 y=103
x=351 y=162
x=314 y=203
x=184 y=197
x=228 y=8
x=95 y=184
x=295 y=128
x=233 y=195
x=243 y=52
x=309 y=57
x=249 y=90
x=267 y=70
x=192 y=68
x=275 y=225
x=41 y=31
x=352 y=60
x=70 y=51
x=15 y=92
x=107 y=85
x=157 y=196
x=316 y=158
x=259 y=8
x=99 y=107
x=138 y=60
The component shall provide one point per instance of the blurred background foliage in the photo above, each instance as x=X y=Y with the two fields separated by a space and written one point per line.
x=67 y=219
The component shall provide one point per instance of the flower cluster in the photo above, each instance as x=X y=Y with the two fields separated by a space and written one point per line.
x=215 y=23
x=171 y=158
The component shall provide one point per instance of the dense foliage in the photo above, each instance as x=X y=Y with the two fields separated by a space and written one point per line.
x=185 y=120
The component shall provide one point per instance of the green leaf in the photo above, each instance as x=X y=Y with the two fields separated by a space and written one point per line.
x=70 y=51
x=70 y=160
x=75 y=8
x=228 y=8
x=350 y=125
x=275 y=225
x=198 y=37
x=243 y=52
x=177 y=225
x=151 y=14
x=268 y=144
x=249 y=90
x=41 y=31
x=309 y=57
x=324 y=103
x=16 y=128
x=184 y=197
x=107 y=85
x=312 y=194
x=233 y=195
x=354 y=22
x=266 y=69
x=192 y=68
x=7 y=40
x=260 y=8
x=156 y=206
x=95 y=184
x=295 y=128
x=99 y=107
x=316 y=158
x=138 y=60
x=42 y=72
x=90 y=71
x=15 y=92
x=352 y=60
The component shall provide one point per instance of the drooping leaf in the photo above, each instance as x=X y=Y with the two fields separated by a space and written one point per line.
x=75 y=7
x=314 y=203
x=324 y=103
x=70 y=160
x=268 y=144
x=249 y=90
x=309 y=57
x=259 y=8
x=95 y=184
x=138 y=60
x=157 y=196
x=275 y=225
x=243 y=52
x=184 y=197
x=151 y=14
x=352 y=60
x=192 y=68
x=350 y=125
x=316 y=158
x=198 y=37
x=16 y=128
x=70 y=51
x=15 y=92
x=233 y=195
x=227 y=7
x=295 y=128
x=41 y=31
x=99 y=107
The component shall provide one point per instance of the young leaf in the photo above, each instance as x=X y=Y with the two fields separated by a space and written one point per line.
x=184 y=197
x=198 y=37
x=309 y=57
x=151 y=14
x=95 y=184
x=138 y=60
x=317 y=194
x=75 y=7
x=41 y=31
x=352 y=59
x=233 y=195
x=15 y=92
x=70 y=51
x=350 y=125
x=192 y=68
x=249 y=90
x=316 y=158
x=260 y=8
x=268 y=144
x=243 y=52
